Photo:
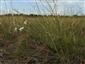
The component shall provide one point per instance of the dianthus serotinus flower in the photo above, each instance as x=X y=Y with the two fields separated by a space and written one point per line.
x=21 y=28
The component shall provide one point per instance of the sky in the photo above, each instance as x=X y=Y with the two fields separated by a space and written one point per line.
x=62 y=7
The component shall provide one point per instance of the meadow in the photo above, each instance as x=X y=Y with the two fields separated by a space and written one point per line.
x=43 y=39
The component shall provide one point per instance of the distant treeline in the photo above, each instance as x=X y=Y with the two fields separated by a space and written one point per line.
x=35 y=15
x=22 y=15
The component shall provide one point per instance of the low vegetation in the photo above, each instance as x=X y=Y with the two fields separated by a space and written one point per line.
x=44 y=39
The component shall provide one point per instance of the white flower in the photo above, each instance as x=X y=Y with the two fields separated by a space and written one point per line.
x=25 y=22
x=21 y=28
x=15 y=28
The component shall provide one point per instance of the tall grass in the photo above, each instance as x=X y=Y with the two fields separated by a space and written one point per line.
x=66 y=40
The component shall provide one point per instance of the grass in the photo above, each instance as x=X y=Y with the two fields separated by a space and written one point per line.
x=64 y=36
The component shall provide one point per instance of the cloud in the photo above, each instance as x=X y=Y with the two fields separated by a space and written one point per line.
x=70 y=7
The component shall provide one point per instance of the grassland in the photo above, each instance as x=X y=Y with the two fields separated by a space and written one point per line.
x=44 y=39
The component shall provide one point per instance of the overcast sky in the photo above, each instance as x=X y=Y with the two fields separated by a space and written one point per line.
x=29 y=6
